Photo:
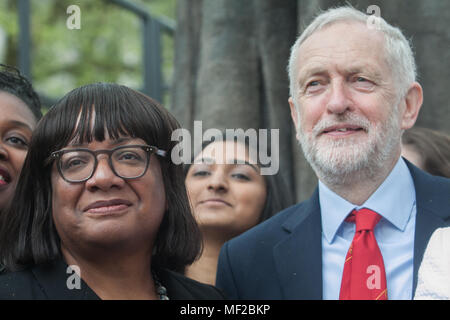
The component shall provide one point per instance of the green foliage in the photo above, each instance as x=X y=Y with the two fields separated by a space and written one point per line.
x=106 y=48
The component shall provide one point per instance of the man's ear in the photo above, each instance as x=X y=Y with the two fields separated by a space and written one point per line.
x=294 y=114
x=413 y=101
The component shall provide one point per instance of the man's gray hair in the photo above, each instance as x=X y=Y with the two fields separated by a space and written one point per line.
x=399 y=54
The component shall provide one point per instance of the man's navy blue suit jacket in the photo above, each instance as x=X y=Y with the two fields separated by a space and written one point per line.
x=282 y=257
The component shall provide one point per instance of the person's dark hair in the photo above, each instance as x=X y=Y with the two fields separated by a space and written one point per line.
x=278 y=196
x=13 y=82
x=27 y=232
x=433 y=147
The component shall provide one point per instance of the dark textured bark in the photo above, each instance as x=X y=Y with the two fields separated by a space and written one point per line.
x=228 y=80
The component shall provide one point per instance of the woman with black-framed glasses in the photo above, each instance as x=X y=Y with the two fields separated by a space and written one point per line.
x=100 y=193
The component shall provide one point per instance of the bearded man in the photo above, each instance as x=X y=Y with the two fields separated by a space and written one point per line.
x=363 y=232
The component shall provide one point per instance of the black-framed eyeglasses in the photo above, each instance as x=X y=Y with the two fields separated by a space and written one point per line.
x=127 y=162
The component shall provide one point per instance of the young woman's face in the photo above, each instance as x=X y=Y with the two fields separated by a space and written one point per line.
x=17 y=123
x=107 y=211
x=226 y=198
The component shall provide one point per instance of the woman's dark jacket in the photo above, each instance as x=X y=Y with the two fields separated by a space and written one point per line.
x=52 y=282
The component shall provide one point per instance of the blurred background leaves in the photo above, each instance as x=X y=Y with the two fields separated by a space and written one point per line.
x=108 y=47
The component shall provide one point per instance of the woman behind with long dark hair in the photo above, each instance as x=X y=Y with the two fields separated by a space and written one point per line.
x=228 y=196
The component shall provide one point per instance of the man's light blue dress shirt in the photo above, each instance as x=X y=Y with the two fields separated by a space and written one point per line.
x=395 y=201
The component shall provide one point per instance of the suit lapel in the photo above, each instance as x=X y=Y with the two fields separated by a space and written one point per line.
x=298 y=257
x=432 y=213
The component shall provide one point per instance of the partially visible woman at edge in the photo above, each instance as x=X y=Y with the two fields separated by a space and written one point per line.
x=228 y=196
x=20 y=110
x=99 y=191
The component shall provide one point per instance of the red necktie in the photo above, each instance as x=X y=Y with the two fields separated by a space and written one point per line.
x=364 y=277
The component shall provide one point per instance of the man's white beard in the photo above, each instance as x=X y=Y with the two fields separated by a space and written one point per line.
x=341 y=161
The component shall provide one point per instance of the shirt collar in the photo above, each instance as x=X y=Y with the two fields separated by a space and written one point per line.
x=393 y=200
